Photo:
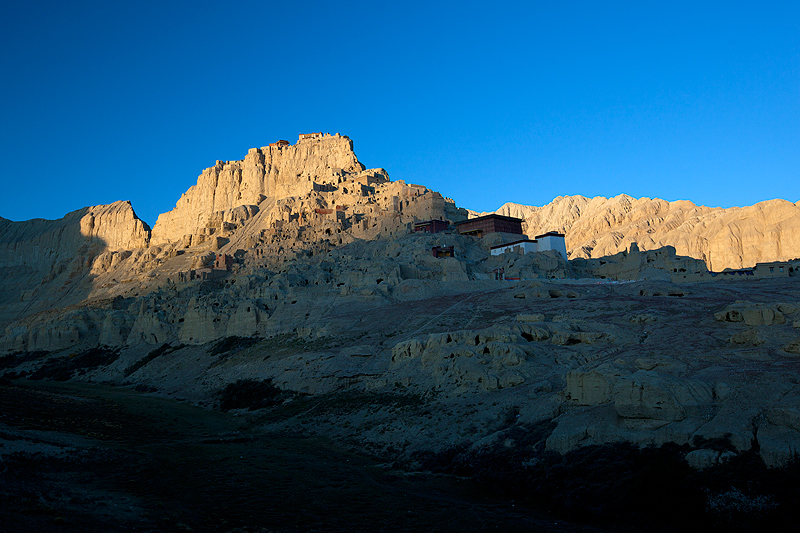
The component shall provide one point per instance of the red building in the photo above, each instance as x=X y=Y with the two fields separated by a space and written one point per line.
x=431 y=226
x=223 y=262
x=480 y=226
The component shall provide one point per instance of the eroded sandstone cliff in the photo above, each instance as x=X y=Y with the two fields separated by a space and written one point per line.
x=276 y=171
x=736 y=237
x=47 y=263
x=111 y=227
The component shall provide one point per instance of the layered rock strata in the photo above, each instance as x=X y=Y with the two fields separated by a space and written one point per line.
x=276 y=171
x=736 y=237
x=47 y=263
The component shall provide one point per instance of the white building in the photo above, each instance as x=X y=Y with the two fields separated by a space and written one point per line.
x=552 y=241
x=523 y=246
x=548 y=241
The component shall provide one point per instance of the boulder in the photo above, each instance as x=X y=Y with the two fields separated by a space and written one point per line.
x=751 y=314
x=705 y=458
x=650 y=395
x=591 y=387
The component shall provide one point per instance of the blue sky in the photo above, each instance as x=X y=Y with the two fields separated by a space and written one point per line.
x=484 y=102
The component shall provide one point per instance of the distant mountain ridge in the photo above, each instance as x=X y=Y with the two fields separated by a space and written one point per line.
x=735 y=237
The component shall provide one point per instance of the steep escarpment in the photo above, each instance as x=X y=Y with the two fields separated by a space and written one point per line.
x=46 y=262
x=112 y=227
x=282 y=203
x=289 y=197
x=736 y=237
x=276 y=171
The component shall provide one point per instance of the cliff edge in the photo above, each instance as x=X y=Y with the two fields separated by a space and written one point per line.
x=276 y=171
x=735 y=237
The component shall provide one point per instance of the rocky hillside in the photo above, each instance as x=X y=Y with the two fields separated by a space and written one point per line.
x=298 y=271
x=113 y=227
x=48 y=263
x=274 y=172
x=279 y=203
x=737 y=237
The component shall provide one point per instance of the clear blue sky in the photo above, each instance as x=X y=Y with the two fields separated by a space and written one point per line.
x=486 y=102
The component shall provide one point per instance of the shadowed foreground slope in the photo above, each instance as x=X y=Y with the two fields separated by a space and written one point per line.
x=103 y=459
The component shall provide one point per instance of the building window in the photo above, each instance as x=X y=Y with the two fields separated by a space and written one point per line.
x=772 y=269
x=780 y=269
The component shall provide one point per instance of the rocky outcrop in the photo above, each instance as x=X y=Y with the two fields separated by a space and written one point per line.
x=282 y=200
x=106 y=227
x=45 y=263
x=280 y=203
x=37 y=252
x=657 y=264
x=736 y=237
x=274 y=171
x=755 y=314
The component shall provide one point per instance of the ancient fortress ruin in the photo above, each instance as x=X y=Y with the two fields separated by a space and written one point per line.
x=299 y=265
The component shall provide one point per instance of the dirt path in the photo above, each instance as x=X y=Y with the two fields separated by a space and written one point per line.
x=98 y=458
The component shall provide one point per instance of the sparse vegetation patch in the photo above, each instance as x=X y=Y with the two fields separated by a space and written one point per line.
x=230 y=345
x=65 y=367
x=16 y=359
x=252 y=394
x=161 y=350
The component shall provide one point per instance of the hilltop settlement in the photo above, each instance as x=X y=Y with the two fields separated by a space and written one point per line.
x=379 y=314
